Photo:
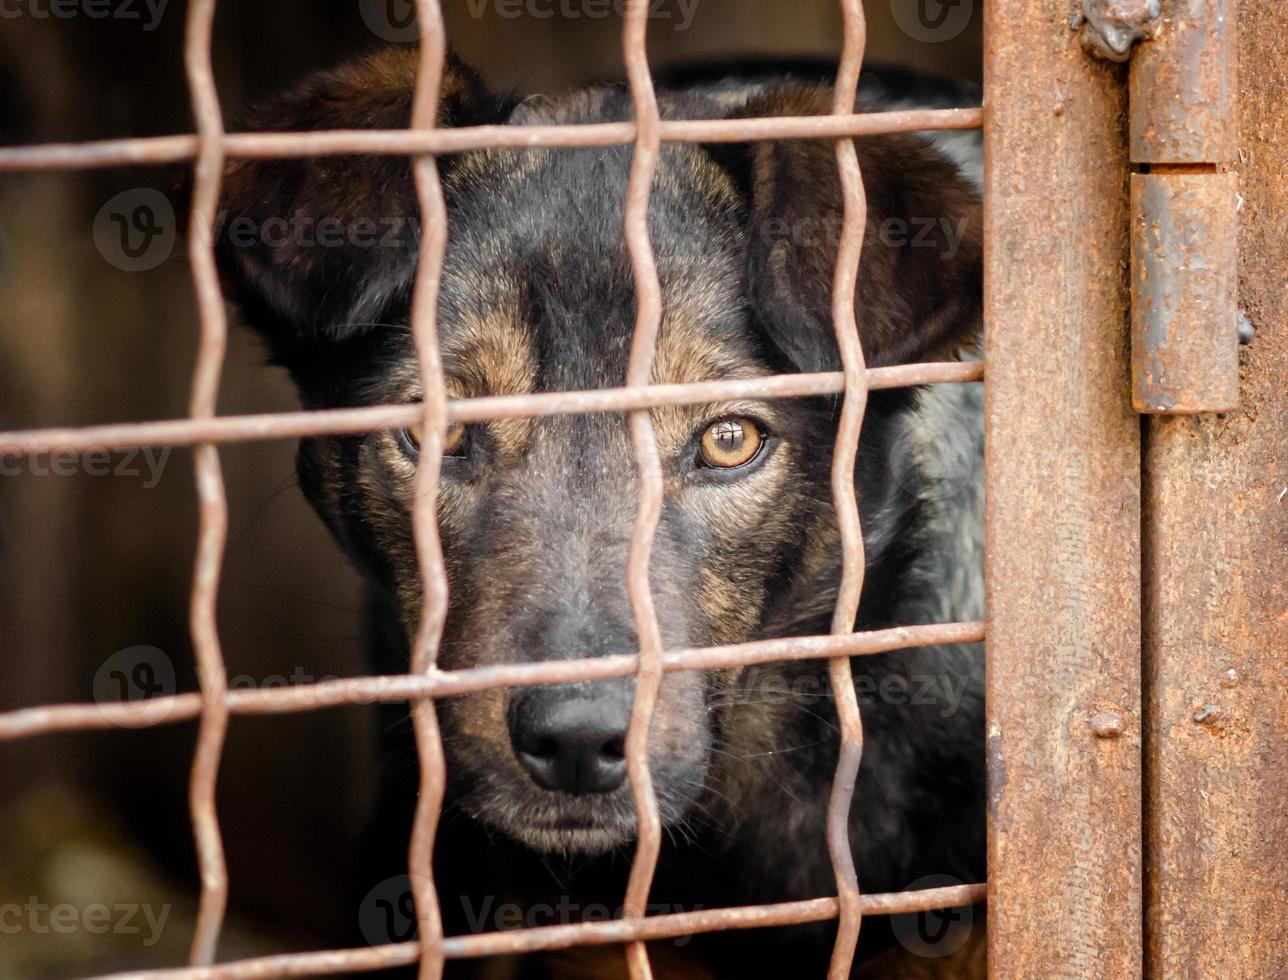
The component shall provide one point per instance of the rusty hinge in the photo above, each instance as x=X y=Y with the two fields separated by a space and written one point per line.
x=1111 y=28
x=1184 y=138
x=1184 y=292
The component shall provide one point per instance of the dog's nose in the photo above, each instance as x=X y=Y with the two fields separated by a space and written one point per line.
x=572 y=744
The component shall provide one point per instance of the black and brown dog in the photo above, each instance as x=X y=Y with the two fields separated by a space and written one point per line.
x=538 y=295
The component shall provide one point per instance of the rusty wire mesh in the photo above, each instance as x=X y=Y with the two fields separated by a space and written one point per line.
x=215 y=703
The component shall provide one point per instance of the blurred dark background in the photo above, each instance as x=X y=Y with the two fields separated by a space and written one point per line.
x=96 y=559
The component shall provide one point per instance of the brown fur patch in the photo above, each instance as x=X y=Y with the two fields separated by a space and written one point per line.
x=491 y=354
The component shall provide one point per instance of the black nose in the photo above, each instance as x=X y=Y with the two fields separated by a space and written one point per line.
x=571 y=742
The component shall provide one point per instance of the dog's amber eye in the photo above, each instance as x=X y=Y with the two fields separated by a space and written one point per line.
x=730 y=443
x=451 y=444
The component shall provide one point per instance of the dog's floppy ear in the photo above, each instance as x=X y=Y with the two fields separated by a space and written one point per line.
x=921 y=272
x=315 y=249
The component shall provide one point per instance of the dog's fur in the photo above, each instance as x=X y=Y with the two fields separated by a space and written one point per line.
x=538 y=295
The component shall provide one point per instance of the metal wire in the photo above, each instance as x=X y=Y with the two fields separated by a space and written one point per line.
x=176 y=149
x=170 y=709
x=846 y=499
x=208 y=148
x=433 y=573
x=213 y=505
x=519 y=941
x=648 y=322
x=354 y=421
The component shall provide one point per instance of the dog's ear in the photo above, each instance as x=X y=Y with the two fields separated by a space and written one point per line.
x=317 y=249
x=921 y=273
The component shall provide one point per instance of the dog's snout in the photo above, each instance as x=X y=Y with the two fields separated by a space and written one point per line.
x=571 y=743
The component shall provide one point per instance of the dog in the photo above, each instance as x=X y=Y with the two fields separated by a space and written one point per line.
x=535 y=514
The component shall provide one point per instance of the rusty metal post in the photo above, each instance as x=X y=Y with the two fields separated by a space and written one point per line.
x=1063 y=560
x=1216 y=601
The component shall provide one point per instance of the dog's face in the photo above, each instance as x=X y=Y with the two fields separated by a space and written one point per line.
x=536 y=514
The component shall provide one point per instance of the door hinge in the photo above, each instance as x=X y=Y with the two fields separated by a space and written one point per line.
x=1184 y=203
x=1184 y=293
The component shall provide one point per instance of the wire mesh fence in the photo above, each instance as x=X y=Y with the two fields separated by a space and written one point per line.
x=208 y=149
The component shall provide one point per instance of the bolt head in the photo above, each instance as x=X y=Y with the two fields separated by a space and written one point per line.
x=1108 y=724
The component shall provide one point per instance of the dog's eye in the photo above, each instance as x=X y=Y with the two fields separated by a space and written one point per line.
x=731 y=443
x=453 y=444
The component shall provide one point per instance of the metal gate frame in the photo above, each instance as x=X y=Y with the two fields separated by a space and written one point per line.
x=1062 y=467
x=1084 y=880
x=1138 y=601
x=214 y=705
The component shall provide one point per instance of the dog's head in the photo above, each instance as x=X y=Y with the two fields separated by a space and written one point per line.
x=537 y=296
